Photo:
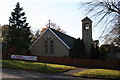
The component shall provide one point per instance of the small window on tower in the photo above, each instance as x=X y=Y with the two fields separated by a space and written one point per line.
x=86 y=25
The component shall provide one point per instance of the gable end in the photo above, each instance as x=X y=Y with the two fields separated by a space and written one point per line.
x=53 y=34
x=38 y=39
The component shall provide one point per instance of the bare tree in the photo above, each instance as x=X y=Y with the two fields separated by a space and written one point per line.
x=109 y=12
x=35 y=35
x=54 y=26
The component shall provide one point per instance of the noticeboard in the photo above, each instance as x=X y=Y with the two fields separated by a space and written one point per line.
x=22 y=57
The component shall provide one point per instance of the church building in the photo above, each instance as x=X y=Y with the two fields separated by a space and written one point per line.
x=54 y=43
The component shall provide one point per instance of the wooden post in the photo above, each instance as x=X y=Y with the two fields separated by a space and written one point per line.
x=45 y=58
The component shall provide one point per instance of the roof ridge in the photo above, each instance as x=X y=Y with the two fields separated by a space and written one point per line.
x=64 y=33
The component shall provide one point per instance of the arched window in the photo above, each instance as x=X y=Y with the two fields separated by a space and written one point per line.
x=51 y=43
x=46 y=46
x=51 y=46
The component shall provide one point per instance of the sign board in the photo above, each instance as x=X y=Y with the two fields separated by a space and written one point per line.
x=22 y=57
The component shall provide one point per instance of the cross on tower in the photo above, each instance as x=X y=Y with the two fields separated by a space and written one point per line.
x=49 y=23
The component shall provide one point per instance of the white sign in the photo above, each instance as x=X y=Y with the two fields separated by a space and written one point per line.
x=21 y=57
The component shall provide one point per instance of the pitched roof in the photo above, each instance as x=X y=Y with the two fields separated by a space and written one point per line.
x=86 y=18
x=66 y=38
x=68 y=41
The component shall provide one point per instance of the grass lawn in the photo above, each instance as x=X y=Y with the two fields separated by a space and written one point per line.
x=99 y=73
x=35 y=66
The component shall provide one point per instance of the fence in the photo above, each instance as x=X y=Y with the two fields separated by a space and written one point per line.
x=88 y=63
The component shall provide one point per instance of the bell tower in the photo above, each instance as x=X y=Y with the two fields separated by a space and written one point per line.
x=87 y=35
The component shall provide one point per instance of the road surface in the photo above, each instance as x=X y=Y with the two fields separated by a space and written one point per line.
x=21 y=74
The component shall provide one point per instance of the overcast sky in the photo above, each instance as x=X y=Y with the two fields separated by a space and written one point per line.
x=65 y=13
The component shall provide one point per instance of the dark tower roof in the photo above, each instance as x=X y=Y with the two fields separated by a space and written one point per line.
x=86 y=19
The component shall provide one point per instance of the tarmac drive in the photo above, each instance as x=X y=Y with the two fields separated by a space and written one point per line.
x=15 y=74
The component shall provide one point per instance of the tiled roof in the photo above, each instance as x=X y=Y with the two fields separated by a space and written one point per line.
x=66 y=38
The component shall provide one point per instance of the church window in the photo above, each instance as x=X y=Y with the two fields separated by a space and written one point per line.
x=51 y=43
x=51 y=46
x=46 y=46
x=86 y=26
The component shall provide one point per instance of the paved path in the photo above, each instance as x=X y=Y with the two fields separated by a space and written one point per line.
x=13 y=74
x=71 y=72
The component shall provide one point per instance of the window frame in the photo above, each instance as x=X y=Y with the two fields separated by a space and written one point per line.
x=86 y=26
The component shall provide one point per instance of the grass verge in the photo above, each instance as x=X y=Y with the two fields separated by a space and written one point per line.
x=35 y=66
x=99 y=73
